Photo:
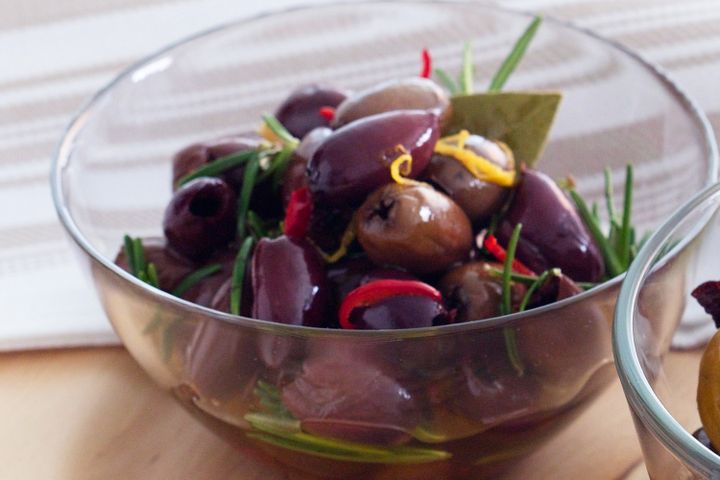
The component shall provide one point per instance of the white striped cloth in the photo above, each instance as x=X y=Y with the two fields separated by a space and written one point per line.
x=56 y=54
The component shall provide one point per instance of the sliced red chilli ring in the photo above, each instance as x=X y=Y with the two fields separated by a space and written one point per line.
x=297 y=214
x=496 y=250
x=378 y=290
x=328 y=113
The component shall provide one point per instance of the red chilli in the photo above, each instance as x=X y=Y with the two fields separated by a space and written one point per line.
x=426 y=64
x=378 y=290
x=491 y=245
x=328 y=113
x=297 y=214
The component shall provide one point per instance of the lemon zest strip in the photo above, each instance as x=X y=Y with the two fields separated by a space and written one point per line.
x=401 y=167
x=482 y=168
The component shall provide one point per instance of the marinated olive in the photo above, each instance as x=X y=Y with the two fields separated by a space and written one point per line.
x=288 y=282
x=352 y=272
x=479 y=199
x=414 y=227
x=195 y=156
x=474 y=292
x=413 y=93
x=400 y=311
x=171 y=267
x=355 y=160
x=296 y=173
x=200 y=218
x=708 y=390
x=553 y=235
x=346 y=397
x=300 y=112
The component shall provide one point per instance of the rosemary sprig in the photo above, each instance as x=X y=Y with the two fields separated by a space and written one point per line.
x=516 y=54
x=248 y=183
x=257 y=229
x=612 y=262
x=280 y=131
x=223 y=164
x=195 y=277
x=466 y=75
x=135 y=255
x=506 y=305
x=535 y=285
x=238 y=276
x=626 y=229
x=530 y=279
x=447 y=81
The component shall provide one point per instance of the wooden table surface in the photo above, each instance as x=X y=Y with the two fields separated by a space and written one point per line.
x=93 y=414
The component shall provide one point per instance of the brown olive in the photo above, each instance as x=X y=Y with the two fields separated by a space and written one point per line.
x=300 y=111
x=414 y=227
x=479 y=199
x=412 y=93
x=474 y=292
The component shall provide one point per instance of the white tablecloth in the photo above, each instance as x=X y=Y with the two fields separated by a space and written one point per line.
x=54 y=55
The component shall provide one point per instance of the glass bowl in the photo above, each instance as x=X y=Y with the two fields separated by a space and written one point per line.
x=660 y=388
x=439 y=402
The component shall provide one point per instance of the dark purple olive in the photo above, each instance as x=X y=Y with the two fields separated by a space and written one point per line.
x=288 y=282
x=348 y=274
x=553 y=234
x=479 y=199
x=474 y=292
x=400 y=311
x=171 y=267
x=200 y=218
x=414 y=227
x=220 y=364
x=355 y=160
x=197 y=155
x=300 y=112
x=413 y=93
x=341 y=395
x=296 y=173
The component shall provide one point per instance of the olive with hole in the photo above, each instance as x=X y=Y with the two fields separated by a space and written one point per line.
x=478 y=198
x=553 y=234
x=300 y=112
x=200 y=218
x=413 y=93
x=356 y=159
x=414 y=227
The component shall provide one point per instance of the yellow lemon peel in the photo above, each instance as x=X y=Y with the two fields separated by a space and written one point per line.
x=401 y=167
x=347 y=238
x=482 y=168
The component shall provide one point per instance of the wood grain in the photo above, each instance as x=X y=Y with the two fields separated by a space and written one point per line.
x=93 y=414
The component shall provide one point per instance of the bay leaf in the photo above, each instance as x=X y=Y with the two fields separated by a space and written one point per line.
x=520 y=119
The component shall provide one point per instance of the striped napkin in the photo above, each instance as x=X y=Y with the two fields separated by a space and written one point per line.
x=56 y=54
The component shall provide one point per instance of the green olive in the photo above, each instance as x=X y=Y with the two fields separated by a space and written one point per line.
x=414 y=227
x=479 y=199
x=413 y=93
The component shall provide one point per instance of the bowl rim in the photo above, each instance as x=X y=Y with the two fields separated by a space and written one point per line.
x=65 y=147
x=638 y=391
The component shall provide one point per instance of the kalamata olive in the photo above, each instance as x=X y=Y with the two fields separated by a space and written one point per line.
x=553 y=234
x=220 y=364
x=702 y=437
x=351 y=272
x=300 y=112
x=296 y=173
x=171 y=267
x=479 y=199
x=413 y=93
x=328 y=224
x=343 y=396
x=200 y=218
x=197 y=155
x=414 y=227
x=288 y=282
x=474 y=292
x=401 y=311
x=356 y=159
